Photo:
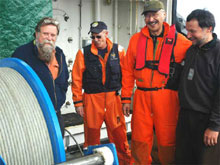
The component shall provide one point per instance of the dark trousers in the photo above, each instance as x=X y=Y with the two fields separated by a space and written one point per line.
x=190 y=148
x=61 y=122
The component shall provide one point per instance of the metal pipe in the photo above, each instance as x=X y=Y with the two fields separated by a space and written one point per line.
x=80 y=24
x=97 y=10
x=94 y=159
x=136 y=19
x=130 y=30
x=169 y=11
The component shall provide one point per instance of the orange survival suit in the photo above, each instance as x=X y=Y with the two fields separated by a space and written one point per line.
x=101 y=79
x=155 y=106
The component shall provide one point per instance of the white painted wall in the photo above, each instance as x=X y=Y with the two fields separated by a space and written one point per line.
x=129 y=19
x=72 y=28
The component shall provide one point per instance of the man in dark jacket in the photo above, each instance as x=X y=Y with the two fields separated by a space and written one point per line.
x=199 y=119
x=48 y=61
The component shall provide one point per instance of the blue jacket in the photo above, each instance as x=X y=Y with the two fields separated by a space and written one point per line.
x=56 y=88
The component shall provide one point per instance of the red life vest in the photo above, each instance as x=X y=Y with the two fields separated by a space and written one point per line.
x=165 y=58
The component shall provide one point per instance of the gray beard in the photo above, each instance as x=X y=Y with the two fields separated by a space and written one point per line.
x=45 y=50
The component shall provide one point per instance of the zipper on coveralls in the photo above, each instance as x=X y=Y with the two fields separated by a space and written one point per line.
x=152 y=72
x=102 y=59
x=156 y=45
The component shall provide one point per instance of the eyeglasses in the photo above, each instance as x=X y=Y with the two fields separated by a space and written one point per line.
x=45 y=34
x=152 y=14
x=93 y=37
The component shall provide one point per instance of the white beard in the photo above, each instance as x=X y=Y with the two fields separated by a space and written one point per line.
x=45 y=50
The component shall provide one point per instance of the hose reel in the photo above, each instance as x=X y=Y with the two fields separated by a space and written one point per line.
x=29 y=128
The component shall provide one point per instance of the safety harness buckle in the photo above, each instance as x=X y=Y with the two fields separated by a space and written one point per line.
x=172 y=71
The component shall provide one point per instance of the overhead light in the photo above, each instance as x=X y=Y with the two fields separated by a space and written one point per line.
x=65 y=15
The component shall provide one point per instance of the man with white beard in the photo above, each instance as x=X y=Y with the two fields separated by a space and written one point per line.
x=48 y=61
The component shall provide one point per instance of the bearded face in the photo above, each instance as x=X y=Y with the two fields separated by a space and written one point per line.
x=45 y=42
x=46 y=49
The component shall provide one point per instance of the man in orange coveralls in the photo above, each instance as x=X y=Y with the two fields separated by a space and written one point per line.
x=97 y=70
x=153 y=60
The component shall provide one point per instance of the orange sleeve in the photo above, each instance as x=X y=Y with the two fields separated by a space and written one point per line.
x=182 y=45
x=77 y=77
x=128 y=64
x=121 y=52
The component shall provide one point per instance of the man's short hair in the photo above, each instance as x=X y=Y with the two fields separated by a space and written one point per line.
x=47 y=21
x=204 y=17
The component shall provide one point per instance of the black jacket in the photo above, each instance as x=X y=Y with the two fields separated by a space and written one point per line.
x=92 y=76
x=199 y=88
x=56 y=88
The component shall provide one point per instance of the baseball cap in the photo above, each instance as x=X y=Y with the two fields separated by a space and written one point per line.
x=97 y=27
x=153 y=5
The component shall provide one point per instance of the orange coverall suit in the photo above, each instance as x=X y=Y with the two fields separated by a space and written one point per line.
x=151 y=109
x=99 y=107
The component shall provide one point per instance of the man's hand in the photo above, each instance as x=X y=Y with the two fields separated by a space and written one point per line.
x=210 y=137
x=126 y=109
x=80 y=110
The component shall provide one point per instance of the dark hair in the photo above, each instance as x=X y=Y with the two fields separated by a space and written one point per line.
x=204 y=17
x=47 y=21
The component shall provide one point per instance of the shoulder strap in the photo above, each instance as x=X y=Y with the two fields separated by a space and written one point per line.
x=141 y=52
x=114 y=52
x=86 y=49
x=115 y=48
x=86 y=52
x=164 y=63
x=172 y=55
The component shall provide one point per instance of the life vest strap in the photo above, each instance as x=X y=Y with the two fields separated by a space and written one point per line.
x=141 y=52
x=165 y=58
x=152 y=65
x=150 y=89
x=166 y=53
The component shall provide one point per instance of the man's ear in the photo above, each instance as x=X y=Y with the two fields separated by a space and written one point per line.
x=36 y=34
x=106 y=33
x=164 y=15
x=210 y=29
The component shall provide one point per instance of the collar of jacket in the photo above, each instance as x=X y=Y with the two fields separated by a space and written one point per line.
x=94 y=50
x=166 y=28
x=210 y=44
x=57 y=53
